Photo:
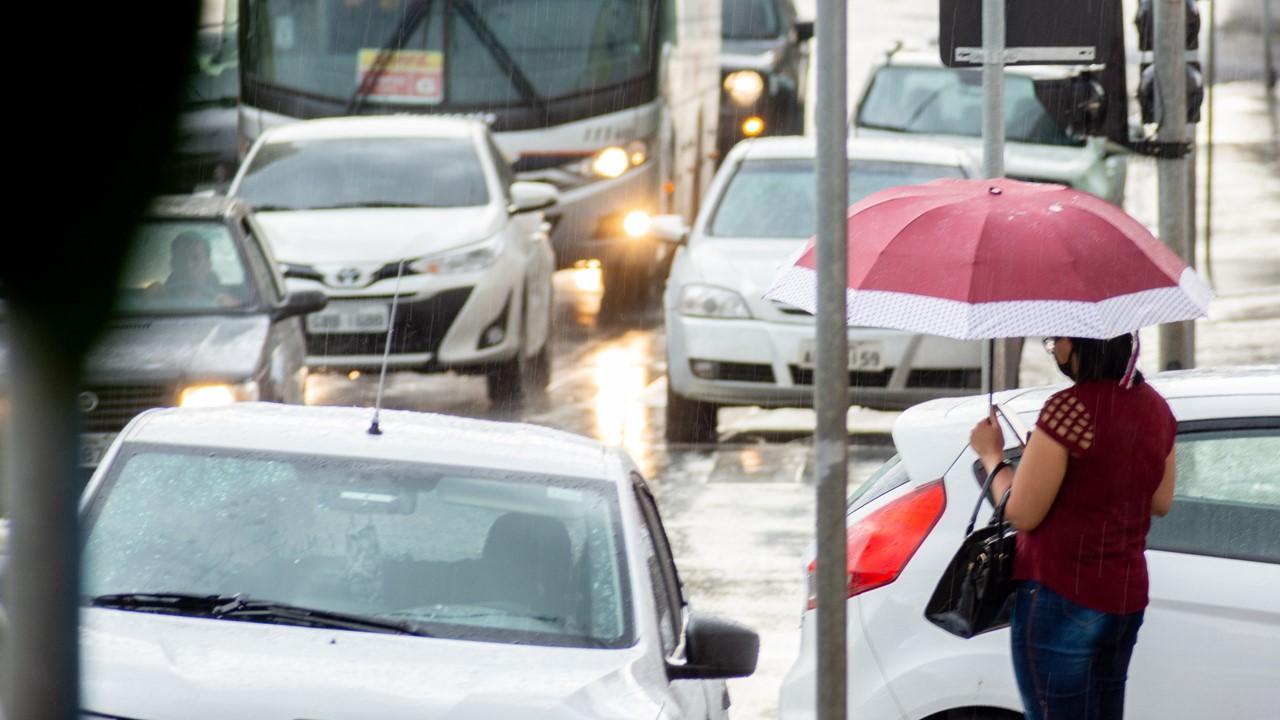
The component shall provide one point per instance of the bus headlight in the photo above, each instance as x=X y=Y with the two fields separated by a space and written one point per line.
x=611 y=162
x=744 y=86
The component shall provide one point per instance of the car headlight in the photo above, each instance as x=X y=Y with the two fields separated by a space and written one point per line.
x=462 y=260
x=613 y=161
x=744 y=86
x=711 y=301
x=217 y=394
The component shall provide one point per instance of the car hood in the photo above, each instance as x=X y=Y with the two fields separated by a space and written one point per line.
x=156 y=667
x=748 y=266
x=188 y=347
x=374 y=236
x=1045 y=163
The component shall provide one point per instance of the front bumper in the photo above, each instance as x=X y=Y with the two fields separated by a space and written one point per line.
x=438 y=324
x=758 y=362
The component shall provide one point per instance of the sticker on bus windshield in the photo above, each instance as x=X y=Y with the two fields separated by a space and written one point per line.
x=410 y=76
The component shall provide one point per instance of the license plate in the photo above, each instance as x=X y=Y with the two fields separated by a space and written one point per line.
x=93 y=447
x=863 y=355
x=350 y=318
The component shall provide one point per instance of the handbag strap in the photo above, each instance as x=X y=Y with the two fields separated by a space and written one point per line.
x=986 y=488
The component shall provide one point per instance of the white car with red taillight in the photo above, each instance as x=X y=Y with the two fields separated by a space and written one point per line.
x=1213 y=623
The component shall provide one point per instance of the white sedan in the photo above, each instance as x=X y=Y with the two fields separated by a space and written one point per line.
x=727 y=345
x=1210 y=640
x=270 y=561
x=358 y=207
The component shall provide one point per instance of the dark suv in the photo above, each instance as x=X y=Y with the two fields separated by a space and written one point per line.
x=764 y=58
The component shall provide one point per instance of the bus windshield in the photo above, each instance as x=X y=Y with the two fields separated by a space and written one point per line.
x=447 y=53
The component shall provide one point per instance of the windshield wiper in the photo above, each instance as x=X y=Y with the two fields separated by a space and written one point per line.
x=242 y=607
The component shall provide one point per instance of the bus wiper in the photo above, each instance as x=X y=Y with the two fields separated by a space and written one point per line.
x=242 y=607
x=500 y=53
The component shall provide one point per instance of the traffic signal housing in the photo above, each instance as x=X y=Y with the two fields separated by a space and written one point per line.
x=1149 y=99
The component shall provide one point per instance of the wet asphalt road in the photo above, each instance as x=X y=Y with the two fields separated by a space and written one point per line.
x=739 y=513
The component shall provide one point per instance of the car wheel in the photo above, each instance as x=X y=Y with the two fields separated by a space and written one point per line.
x=690 y=421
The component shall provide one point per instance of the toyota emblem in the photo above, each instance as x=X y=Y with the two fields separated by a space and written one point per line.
x=347 y=276
x=88 y=402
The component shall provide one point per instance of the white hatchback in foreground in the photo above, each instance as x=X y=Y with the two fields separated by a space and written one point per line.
x=344 y=201
x=727 y=345
x=1209 y=646
x=280 y=562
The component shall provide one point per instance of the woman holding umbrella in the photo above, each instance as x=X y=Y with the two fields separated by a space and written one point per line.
x=985 y=259
x=1099 y=466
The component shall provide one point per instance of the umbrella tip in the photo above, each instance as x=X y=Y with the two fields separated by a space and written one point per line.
x=995 y=190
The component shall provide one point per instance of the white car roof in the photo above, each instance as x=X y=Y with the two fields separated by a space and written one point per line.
x=934 y=433
x=795 y=147
x=420 y=126
x=406 y=437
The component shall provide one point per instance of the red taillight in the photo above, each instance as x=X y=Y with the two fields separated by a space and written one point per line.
x=881 y=544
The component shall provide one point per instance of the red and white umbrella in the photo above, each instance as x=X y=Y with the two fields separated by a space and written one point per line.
x=982 y=259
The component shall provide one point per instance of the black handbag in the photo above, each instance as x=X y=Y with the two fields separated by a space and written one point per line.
x=975 y=594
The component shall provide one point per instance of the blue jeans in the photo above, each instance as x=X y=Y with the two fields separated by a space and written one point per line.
x=1071 y=662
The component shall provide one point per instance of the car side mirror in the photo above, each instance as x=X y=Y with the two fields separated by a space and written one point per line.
x=716 y=648
x=804 y=30
x=302 y=302
x=527 y=196
x=670 y=228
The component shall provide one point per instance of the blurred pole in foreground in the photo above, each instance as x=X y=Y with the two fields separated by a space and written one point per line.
x=831 y=381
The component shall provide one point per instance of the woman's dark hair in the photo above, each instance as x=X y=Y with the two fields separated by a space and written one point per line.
x=1104 y=359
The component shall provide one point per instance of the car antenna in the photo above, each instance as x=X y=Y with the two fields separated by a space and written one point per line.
x=374 y=429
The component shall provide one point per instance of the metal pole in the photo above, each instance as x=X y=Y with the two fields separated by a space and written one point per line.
x=41 y=651
x=1268 y=57
x=1210 y=78
x=831 y=381
x=1000 y=364
x=1177 y=340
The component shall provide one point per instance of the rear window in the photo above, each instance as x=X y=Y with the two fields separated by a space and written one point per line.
x=748 y=20
x=948 y=101
x=1227 y=502
x=778 y=198
x=893 y=474
x=365 y=172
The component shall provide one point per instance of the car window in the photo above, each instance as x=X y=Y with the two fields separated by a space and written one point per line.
x=528 y=559
x=662 y=572
x=356 y=172
x=778 y=198
x=948 y=101
x=1227 y=501
x=892 y=474
x=748 y=20
x=184 y=267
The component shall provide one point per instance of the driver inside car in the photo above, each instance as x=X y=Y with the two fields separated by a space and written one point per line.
x=191 y=277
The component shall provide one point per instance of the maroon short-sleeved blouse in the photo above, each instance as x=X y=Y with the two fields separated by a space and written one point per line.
x=1090 y=546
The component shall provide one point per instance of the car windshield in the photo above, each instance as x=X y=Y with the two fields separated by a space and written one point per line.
x=362 y=172
x=458 y=552
x=948 y=101
x=777 y=198
x=185 y=267
x=748 y=20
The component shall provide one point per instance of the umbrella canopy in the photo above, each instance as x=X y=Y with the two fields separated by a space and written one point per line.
x=979 y=259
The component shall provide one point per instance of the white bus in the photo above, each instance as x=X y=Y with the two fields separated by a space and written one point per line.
x=613 y=101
